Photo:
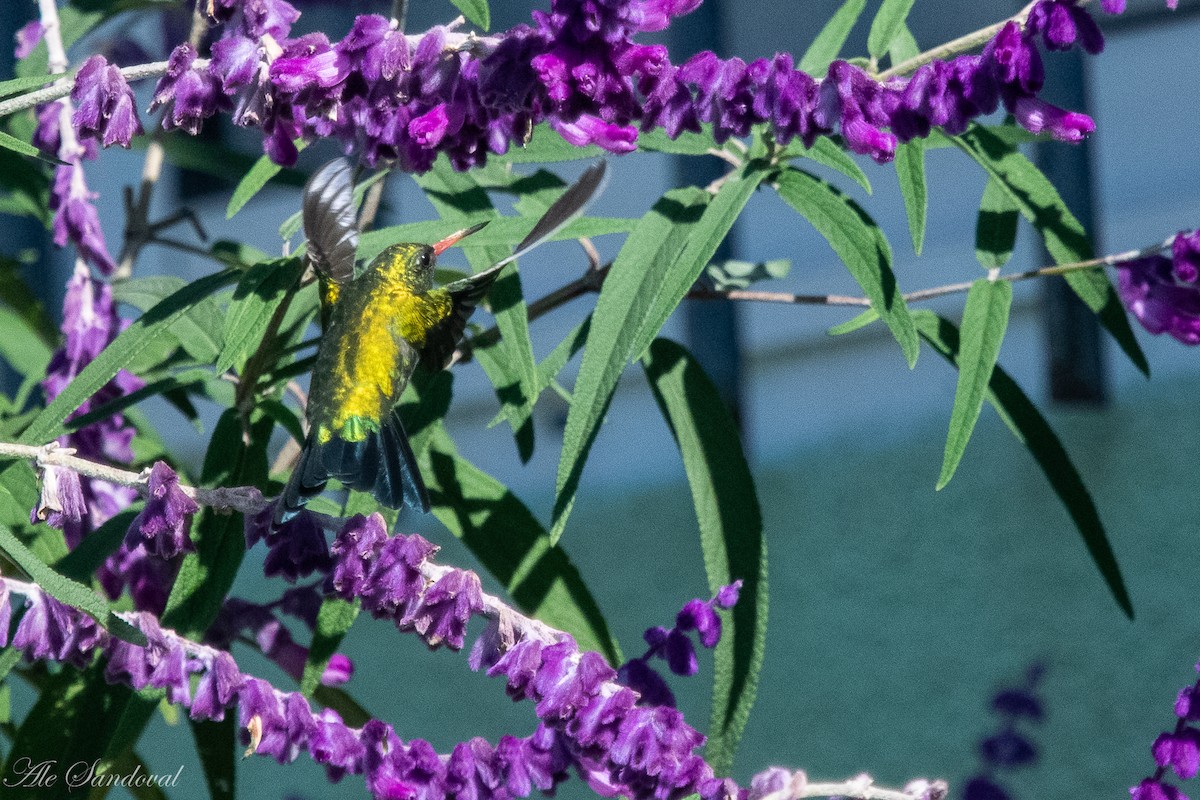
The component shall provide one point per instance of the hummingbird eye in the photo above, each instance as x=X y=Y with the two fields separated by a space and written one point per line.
x=426 y=257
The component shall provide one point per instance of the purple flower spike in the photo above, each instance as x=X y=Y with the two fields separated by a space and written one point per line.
x=1180 y=751
x=1185 y=256
x=334 y=745
x=163 y=525
x=354 y=550
x=297 y=548
x=700 y=616
x=1151 y=789
x=28 y=38
x=217 y=688
x=639 y=676
x=104 y=101
x=395 y=579
x=1149 y=290
x=445 y=609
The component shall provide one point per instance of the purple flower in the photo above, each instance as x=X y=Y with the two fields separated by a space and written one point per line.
x=193 y=95
x=1149 y=289
x=1187 y=704
x=1008 y=749
x=354 y=550
x=445 y=608
x=1151 y=789
x=1185 y=256
x=62 y=498
x=27 y=38
x=727 y=596
x=77 y=220
x=333 y=744
x=1179 y=750
x=104 y=101
x=1062 y=24
x=163 y=524
x=218 y=687
x=638 y=675
x=338 y=671
x=395 y=579
x=297 y=548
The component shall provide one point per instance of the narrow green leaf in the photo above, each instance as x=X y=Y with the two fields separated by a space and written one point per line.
x=996 y=226
x=513 y=546
x=827 y=153
x=731 y=534
x=258 y=294
x=829 y=41
x=216 y=744
x=623 y=303
x=67 y=591
x=503 y=232
x=686 y=143
x=198 y=330
x=120 y=352
x=184 y=380
x=851 y=325
x=251 y=183
x=5 y=702
x=340 y=701
x=19 y=492
x=20 y=345
x=333 y=622
x=859 y=243
x=20 y=85
x=904 y=46
x=985 y=319
x=910 y=169
x=1033 y=431
x=476 y=12
x=545 y=146
x=10 y=142
x=563 y=352
x=1065 y=238
x=21 y=299
x=707 y=235
x=889 y=21
x=509 y=364
x=86 y=558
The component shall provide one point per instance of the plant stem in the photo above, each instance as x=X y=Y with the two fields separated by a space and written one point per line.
x=962 y=44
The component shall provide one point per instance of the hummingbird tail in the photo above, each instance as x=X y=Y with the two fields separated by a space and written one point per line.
x=381 y=463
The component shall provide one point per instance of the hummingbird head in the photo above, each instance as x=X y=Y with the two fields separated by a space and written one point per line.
x=413 y=264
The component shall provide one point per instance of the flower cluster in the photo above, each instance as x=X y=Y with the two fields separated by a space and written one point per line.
x=162 y=527
x=404 y=99
x=1177 y=750
x=675 y=646
x=1008 y=748
x=1164 y=292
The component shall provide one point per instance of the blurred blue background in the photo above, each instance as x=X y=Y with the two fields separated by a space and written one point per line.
x=896 y=611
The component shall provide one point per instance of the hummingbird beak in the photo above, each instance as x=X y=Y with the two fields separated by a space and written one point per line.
x=453 y=238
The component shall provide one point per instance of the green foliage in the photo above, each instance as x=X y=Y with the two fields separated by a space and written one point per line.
x=910 y=169
x=731 y=534
x=887 y=25
x=476 y=12
x=860 y=244
x=985 y=319
x=825 y=48
x=996 y=228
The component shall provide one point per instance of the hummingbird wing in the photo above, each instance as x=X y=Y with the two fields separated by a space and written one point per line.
x=466 y=294
x=330 y=226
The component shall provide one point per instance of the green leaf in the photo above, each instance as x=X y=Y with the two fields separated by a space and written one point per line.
x=687 y=143
x=19 y=492
x=513 y=546
x=829 y=41
x=10 y=142
x=985 y=319
x=889 y=21
x=476 y=12
x=1033 y=431
x=562 y=353
x=996 y=226
x=340 y=701
x=851 y=325
x=20 y=85
x=198 y=330
x=707 y=235
x=731 y=534
x=79 y=719
x=258 y=294
x=736 y=274
x=67 y=591
x=251 y=183
x=904 y=46
x=859 y=243
x=184 y=380
x=509 y=364
x=16 y=293
x=333 y=622
x=206 y=575
x=216 y=744
x=503 y=232
x=827 y=153
x=545 y=146
x=1065 y=238
x=21 y=346
x=910 y=169
x=623 y=303
x=120 y=352
x=86 y=558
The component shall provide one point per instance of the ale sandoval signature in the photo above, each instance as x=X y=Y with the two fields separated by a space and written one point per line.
x=30 y=774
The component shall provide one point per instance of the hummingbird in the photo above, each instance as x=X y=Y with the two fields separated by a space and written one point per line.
x=380 y=323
